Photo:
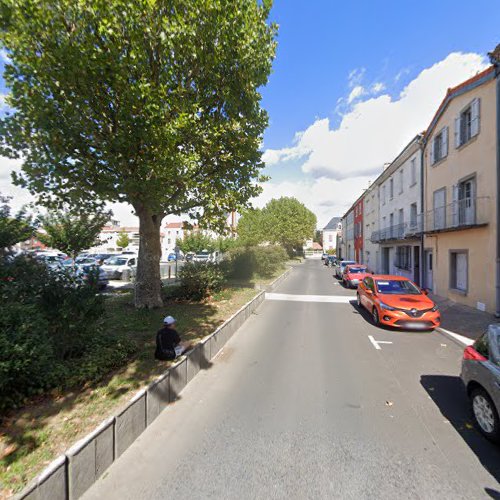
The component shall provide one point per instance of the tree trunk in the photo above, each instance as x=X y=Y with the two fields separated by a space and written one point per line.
x=148 y=280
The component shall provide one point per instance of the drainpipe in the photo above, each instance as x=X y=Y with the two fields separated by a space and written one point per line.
x=422 y=209
x=495 y=60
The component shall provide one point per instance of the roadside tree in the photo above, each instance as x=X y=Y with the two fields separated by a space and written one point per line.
x=196 y=242
x=123 y=240
x=13 y=228
x=72 y=231
x=149 y=102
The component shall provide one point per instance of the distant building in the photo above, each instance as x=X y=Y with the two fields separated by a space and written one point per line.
x=330 y=232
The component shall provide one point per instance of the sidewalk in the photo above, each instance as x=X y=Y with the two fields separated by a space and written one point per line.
x=461 y=319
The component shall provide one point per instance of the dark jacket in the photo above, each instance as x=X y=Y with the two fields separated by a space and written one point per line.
x=166 y=341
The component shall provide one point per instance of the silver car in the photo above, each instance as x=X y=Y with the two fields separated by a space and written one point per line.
x=340 y=266
x=481 y=377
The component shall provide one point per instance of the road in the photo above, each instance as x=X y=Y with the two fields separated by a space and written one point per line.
x=301 y=404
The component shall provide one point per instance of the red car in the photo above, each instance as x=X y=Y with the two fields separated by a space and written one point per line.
x=398 y=302
x=354 y=274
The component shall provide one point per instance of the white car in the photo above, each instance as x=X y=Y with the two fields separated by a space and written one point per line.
x=119 y=266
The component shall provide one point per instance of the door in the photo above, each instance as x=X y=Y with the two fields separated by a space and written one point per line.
x=428 y=269
x=466 y=205
x=416 y=265
x=385 y=260
x=440 y=209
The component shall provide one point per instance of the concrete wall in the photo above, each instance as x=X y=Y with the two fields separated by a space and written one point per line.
x=70 y=475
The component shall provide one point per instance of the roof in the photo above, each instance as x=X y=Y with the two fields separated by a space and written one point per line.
x=333 y=224
x=453 y=92
x=119 y=229
x=174 y=225
x=316 y=246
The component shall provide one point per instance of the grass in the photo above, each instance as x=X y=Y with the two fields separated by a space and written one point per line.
x=30 y=438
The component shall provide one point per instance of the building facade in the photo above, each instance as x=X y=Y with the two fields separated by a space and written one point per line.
x=371 y=224
x=400 y=209
x=461 y=194
x=330 y=232
x=358 y=230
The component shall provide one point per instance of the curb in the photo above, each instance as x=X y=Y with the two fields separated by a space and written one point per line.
x=74 y=472
x=276 y=282
x=459 y=339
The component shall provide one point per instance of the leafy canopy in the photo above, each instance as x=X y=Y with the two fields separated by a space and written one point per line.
x=123 y=239
x=196 y=242
x=151 y=102
x=13 y=228
x=72 y=231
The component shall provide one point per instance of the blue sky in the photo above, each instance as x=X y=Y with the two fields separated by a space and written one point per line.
x=353 y=82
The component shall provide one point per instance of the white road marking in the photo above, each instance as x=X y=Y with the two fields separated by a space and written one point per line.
x=339 y=299
x=376 y=343
x=456 y=336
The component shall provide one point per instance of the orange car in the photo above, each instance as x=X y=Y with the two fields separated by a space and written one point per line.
x=354 y=274
x=397 y=301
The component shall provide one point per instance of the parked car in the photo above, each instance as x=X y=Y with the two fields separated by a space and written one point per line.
x=101 y=257
x=481 y=377
x=189 y=256
x=396 y=301
x=330 y=261
x=171 y=257
x=119 y=266
x=86 y=271
x=354 y=274
x=340 y=266
x=324 y=256
x=203 y=256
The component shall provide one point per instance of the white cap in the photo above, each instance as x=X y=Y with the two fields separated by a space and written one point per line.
x=169 y=320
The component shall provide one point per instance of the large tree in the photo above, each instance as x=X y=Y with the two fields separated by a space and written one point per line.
x=151 y=102
x=72 y=231
x=288 y=222
x=251 y=227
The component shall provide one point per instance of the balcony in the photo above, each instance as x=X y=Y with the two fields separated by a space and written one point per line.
x=462 y=214
x=397 y=232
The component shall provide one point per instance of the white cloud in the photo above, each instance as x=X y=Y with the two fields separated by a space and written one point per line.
x=325 y=197
x=4 y=56
x=374 y=130
x=356 y=93
x=377 y=87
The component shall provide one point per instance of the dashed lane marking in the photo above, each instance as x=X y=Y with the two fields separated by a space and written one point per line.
x=338 y=299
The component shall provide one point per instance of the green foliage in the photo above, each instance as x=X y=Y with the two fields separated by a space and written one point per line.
x=13 y=228
x=72 y=231
x=248 y=262
x=123 y=240
x=199 y=280
x=152 y=103
x=284 y=221
x=318 y=237
x=49 y=334
x=226 y=244
x=289 y=223
x=197 y=242
x=251 y=228
x=331 y=251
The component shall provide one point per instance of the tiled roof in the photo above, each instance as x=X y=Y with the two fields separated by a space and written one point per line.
x=332 y=225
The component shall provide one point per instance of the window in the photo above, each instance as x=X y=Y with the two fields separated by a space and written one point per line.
x=401 y=217
x=467 y=123
x=439 y=208
x=464 y=198
x=403 y=257
x=330 y=238
x=391 y=189
x=413 y=215
x=459 y=270
x=383 y=194
x=439 y=146
x=168 y=241
x=401 y=177
x=413 y=170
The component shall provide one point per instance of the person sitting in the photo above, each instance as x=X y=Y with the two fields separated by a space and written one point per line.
x=168 y=342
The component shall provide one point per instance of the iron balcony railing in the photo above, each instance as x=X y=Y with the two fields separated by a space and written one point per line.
x=459 y=214
x=399 y=231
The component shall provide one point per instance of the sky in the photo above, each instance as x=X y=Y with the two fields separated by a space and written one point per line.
x=353 y=82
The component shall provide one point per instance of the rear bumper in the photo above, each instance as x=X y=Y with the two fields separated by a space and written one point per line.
x=399 y=319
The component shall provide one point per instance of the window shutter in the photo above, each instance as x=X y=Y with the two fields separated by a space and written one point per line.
x=475 y=117
x=454 y=206
x=431 y=153
x=445 y=142
x=457 y=132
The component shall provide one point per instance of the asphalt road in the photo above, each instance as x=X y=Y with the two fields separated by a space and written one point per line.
x=300 y=404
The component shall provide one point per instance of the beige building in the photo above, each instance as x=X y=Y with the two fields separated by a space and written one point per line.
x=460 y=186
x=371 y=223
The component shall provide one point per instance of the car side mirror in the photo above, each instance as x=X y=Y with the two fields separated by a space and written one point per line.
x=425 y=291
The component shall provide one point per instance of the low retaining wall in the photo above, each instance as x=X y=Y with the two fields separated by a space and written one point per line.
x=70 y=475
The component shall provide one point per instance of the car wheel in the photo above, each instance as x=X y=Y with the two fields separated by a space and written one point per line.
x=485 y=414
x=375 y=317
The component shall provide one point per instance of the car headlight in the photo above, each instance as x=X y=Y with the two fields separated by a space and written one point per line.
x=435 y=308
x=387 y=307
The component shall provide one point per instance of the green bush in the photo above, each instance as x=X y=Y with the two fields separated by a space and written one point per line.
x=49 y=334
x=248 y=262
x=199 y=280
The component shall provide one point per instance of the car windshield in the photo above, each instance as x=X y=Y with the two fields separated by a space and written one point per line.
x=116 y=261
x=397 y=287
x=346 y=263
x=355 y=270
